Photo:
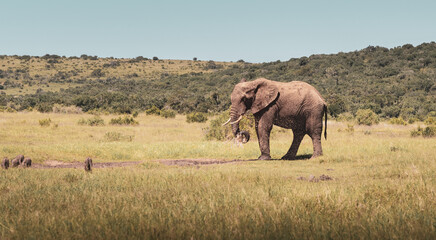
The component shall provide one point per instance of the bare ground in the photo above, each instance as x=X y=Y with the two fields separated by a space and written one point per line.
x=57 y=164
x=170 y=162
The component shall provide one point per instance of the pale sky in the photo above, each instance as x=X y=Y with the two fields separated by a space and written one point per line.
x=225 y=30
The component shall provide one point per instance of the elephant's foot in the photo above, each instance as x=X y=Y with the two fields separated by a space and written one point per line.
x=315 y=155
x=264 y=157
x=288 y=157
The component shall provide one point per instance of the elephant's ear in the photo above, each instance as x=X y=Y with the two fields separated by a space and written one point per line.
x=266 y=93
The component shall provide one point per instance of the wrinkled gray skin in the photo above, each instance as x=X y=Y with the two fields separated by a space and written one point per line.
x=5 y=163
x=27 y=162
x=292 y=105
x=88 y=164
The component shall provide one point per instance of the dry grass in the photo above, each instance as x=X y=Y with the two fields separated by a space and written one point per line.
x=383 y=184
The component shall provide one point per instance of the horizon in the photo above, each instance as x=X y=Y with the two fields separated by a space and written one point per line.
x=151 y=57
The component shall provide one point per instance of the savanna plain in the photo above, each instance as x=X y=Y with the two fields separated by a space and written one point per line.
x=382 y=185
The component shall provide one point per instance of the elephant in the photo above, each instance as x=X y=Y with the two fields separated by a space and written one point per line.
x=292 y=105
x=88 y=164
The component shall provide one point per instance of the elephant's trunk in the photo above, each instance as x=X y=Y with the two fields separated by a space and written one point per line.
x=234 y=116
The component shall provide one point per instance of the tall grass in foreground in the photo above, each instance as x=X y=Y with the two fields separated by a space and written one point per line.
x=383 y=186
x=255 y=200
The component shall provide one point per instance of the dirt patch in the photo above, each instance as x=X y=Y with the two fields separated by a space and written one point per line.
x=197 y=162
x=170 y=162
x=58 y=164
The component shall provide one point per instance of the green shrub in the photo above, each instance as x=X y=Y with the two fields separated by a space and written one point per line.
x=429 y=131
x=196 y=117
x=216 y=131
x=397 y=121
x=417 y=132
x=44 y=107
x=430 y=121
x=153 y=111
x=167 y=113
x=45 y=122
x=161 y=112
x=126 y=120
x=135 y=114
x=93 y=121
x=366 y=117
x=7 y=109
x=412 y=120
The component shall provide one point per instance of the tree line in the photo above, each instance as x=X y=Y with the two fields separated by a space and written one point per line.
x=391 y=82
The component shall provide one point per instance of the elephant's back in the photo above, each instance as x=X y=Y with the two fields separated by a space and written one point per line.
x=305 y=87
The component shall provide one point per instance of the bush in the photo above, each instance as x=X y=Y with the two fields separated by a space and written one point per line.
x=45 y=122
x=430 y=121
x=57 y=108
x=412 y=120
x=158 y=112
x=167 y=113
x=417 y=132
x=216 y=131
x=429 y=131
x=135 y=114
x=93 y=121
x=153 y=111
x=366 y=117
x=44 y=107
x=397 y=121
x=126 y=120
x=196 y=117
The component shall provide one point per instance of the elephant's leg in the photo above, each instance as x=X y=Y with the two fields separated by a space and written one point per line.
x=314 y=127
x=292 y=152
x=317 y=148
x=263 y=129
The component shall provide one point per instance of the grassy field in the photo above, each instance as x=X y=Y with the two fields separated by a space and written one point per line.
x=383 y=187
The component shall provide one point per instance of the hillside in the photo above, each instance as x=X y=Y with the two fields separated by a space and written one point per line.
x=391 y=82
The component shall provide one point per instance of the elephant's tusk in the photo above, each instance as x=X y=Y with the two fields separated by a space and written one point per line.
x=227 y=122
x=239 y=119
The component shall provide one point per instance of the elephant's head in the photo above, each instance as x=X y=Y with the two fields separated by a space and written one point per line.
x=255 y=95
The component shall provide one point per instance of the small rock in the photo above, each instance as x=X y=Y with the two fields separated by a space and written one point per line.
x=88 y=164
x=5 y=163
x=301 y=178
x=20 y=158
x=313 y=179
x=15 y=162
x=330 y=169
x=325 y=178
x=27 y=162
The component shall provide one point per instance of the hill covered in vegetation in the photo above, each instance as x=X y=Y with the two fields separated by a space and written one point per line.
x=392 y=82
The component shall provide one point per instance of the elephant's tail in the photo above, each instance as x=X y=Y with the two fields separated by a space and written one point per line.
x=325 y=128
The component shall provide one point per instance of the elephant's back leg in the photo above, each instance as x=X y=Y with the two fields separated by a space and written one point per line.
x=314 y=130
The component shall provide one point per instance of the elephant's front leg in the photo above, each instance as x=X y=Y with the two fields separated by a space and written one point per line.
x=263 y=126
